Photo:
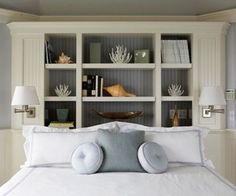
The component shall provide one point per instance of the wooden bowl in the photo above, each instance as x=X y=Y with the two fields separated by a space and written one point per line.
x=119 y=115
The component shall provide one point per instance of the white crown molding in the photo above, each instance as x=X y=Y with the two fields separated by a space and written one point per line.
x=221 y=16
x=7 y=16
x=118 y=18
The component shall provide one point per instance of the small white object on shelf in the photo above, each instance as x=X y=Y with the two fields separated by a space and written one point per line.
x=120 y=55
x=175 y=90
x=62 y=90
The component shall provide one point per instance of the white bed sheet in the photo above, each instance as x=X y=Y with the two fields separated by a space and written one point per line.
x=178 y=181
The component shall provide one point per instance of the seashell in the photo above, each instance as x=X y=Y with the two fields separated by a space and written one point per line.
x=62 y=90
x=175 y=90
x=120 y=55
x=64 y=59
x=118 y=90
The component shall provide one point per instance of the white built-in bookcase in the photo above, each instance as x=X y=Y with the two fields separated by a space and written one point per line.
x=148 y=81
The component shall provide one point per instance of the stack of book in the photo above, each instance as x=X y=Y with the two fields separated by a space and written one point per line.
x=92 y=85
x=49 y=53
x=56 y=124
x=175 y=51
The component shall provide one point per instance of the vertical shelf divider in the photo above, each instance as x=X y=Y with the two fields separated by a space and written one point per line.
x=157 y=79
x=79 y=62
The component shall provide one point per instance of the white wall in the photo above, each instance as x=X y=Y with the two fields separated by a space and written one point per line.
x=5 y=77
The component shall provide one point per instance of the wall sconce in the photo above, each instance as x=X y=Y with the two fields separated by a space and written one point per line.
x=211 y=96
x=25 y=96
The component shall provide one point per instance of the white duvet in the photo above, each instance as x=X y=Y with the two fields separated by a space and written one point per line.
x=178 y=181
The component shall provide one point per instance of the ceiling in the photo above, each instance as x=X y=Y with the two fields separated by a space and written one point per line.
x=117 y=7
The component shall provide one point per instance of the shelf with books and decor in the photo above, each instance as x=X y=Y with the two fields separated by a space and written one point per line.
x=125 y=62
x=60 y=48
x=176 y=76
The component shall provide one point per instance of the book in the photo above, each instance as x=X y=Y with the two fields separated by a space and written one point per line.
x=101 y=87
x=89 y=85
x=84 y=85
x=56 y=124
x=96 y=86
x=92 y=85
x=93 y=80
x=46 y=52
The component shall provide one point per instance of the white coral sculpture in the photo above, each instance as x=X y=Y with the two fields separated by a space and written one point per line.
x=175 y=90
x=120 y=55
x=62 y=90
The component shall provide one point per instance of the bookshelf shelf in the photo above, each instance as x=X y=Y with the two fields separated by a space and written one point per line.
x=148 y=66
x=119 y=99
x=176 y=98
x=60 y=66
x=55 y=98
x=176 y=66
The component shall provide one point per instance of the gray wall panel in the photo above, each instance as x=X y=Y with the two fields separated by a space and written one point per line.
x=5 y=77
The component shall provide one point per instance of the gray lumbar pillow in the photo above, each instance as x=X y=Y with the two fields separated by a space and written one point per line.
x=120 y=150
x=152 y=157
x=87 y=158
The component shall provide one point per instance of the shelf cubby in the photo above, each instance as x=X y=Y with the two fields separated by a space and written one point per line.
x=61 y=42
x=91 y=118
x=176 y=76
x=108 y=41
x=55 y=77
x=181 y=105
x=50 y=110
x=138 y=82
x=176 y=49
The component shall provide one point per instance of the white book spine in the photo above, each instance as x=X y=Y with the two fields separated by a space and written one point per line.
x=101 y=89
x=96 y=85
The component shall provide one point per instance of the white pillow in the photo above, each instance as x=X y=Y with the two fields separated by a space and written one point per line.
x=180 y=146
x=55 y=148
x=28 y=130
x=87 y=158
x=124 y=127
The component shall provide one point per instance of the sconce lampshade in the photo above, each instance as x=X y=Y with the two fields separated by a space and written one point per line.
x=25 y=95
x=212 y=95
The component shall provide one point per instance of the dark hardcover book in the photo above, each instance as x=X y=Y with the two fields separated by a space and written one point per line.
x=51 y=56
x=89 y=85
x=46 y=52
x=93 y=85
x=100 y=86
x=84 y=85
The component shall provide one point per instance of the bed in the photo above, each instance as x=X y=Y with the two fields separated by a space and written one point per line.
x=181 y=178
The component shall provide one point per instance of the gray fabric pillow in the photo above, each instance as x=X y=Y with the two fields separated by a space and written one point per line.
x=120 y=150
x=152 y=157
x=87 y=158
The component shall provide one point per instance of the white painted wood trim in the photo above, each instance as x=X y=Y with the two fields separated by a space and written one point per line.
x=9 y=15
x=118 y=99
x=177 y=98
x=119 y=27
x=157 y=80
x=223 y=16
x=54 y=98
x=60 y=66
x=176 y=66
x=147 y=66
x=79 y=73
